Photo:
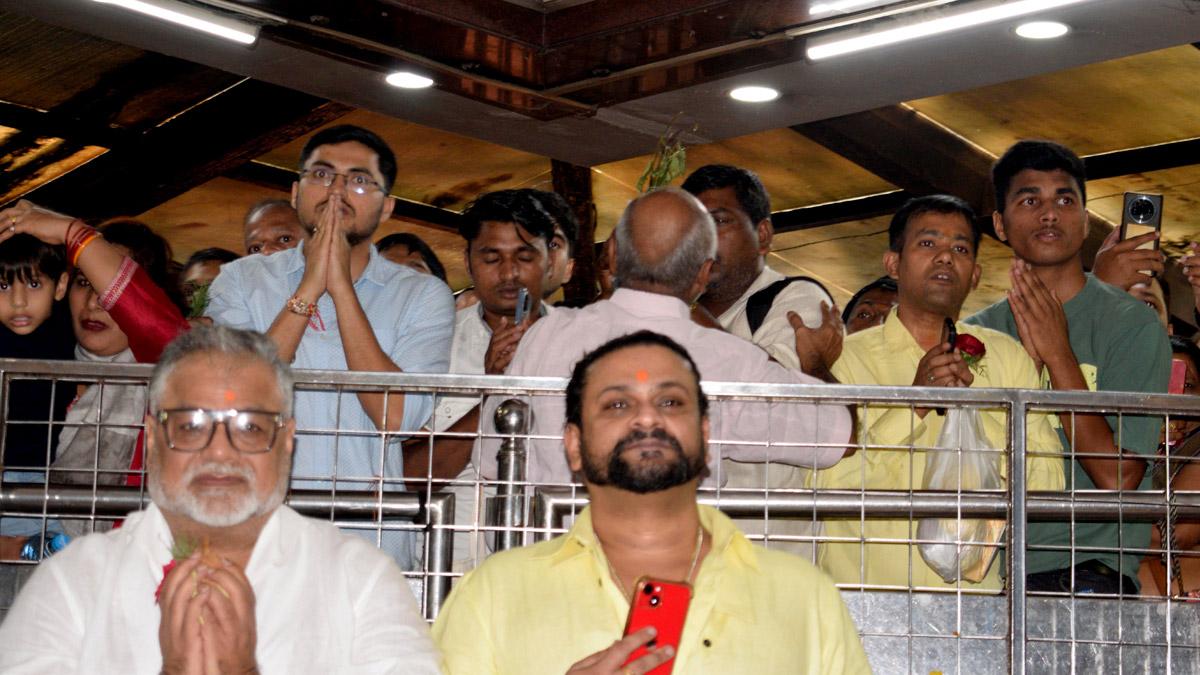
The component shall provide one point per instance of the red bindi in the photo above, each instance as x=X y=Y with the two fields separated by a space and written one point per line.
x=642 y=376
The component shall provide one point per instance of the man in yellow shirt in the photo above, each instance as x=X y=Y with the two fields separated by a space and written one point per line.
x=934 y=241
x=637 y=434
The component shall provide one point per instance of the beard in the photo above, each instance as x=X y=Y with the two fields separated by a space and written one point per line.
x=646 y=478
x=222 y=507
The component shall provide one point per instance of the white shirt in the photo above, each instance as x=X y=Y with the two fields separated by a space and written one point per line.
x=471 y=339
x=740 y=429
x=325 y=602
x=775 y=334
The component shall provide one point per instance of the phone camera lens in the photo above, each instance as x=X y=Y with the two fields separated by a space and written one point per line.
x=1141 y=210
x=648 y=589
x=654 y=601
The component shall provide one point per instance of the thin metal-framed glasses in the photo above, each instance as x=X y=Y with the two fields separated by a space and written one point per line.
x=249 y=432
x=358 y=182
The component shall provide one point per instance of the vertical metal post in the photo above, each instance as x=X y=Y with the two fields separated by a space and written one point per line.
x=439 y=516
x=1017 y=534
x=513 y=419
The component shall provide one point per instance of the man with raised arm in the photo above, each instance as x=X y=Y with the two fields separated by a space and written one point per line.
x=334 y=303
x=1082 y=334
x=637 y=434
x=217 y=575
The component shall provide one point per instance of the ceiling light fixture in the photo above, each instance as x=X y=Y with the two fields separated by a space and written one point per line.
x=943 y=21
x=754 y=94
x=407 y=80
x=1042 y=30
x=192 y=17
x=840 y=6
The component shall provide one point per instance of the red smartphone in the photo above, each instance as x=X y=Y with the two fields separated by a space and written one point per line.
x=1178 y=377
x=664 y=605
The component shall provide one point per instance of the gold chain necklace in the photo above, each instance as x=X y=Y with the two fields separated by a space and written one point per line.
x=691 y=568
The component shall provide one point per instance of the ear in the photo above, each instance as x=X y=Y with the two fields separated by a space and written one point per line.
x=704 y=430
x=570 y=270
x=385 y=212
x=998 y=225
x=289 y=436
x=571 y=442
x=766 y=232
x=295 y=193
x=610 y=254
x=151 y=437
x=701 y=282
x=467 y=261
x=891 y=264
x=60 y=288
x=975 y=275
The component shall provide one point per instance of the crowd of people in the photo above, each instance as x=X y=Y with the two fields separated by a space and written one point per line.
x=685 y=294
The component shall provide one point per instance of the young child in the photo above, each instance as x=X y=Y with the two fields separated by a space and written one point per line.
x=34 y=324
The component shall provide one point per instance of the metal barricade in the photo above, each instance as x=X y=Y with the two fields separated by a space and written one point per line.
x=1010 y=627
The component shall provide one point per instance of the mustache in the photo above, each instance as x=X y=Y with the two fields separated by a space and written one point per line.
x=638 y=435
x=218 y=469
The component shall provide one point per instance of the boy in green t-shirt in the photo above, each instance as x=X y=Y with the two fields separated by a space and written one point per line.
x=1083 y=334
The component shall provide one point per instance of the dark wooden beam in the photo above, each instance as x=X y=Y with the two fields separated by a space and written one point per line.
x=845 y=210
x=574 y=183
x=920 y=156
x=51 y=124
x=1145 y=159
x=278 y=178
x=204 y=142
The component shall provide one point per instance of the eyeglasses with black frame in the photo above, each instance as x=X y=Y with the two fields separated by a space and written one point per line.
x=250 y=432
x=358 y=182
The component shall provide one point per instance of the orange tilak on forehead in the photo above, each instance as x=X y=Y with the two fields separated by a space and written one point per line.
x=642 y=376
x=230 y=395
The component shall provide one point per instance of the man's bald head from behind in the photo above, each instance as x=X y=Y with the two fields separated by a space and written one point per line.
x=665 y=242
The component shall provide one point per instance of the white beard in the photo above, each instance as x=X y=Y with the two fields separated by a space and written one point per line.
x=221 y=507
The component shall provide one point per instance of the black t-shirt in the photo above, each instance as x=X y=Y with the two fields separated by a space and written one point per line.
x=26 y=445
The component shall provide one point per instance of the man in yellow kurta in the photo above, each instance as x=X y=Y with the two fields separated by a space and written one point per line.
x=932 y=256
x=637 y=433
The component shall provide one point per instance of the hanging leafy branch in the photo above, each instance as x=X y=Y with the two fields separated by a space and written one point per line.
x=668 y=161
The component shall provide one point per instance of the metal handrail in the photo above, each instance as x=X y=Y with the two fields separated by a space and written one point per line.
x=435 y=511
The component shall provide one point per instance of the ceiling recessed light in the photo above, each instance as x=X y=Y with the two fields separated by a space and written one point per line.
x=754 y=94
x=407 y=80
x=1042 y=30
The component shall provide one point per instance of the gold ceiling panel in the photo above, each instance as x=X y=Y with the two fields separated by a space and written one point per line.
x=847 y=256
x=795 y=171
x=437 y=167
x=1125 y=103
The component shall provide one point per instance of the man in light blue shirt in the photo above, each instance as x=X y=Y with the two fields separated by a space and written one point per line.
x=334 y=303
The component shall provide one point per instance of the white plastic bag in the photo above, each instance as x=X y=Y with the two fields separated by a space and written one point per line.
x=962 y=461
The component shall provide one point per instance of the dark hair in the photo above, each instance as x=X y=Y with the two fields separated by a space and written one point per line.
x=641 y=338
x=345 y=133
x=1182 y=345
x=751 y=194
x=886 y=283
x=269 y=203
x=560 y=212
x=23 y=256
x=1039 y=156
x=148 y=250
x=916 y=206
x=415 y=244
x=214 y=253
x=506 y=206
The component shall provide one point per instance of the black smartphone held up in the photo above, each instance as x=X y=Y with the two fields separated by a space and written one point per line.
x=951 y=333
x=1142 y=214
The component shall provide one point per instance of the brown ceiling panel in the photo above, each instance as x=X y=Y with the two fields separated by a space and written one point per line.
x=42 y=66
